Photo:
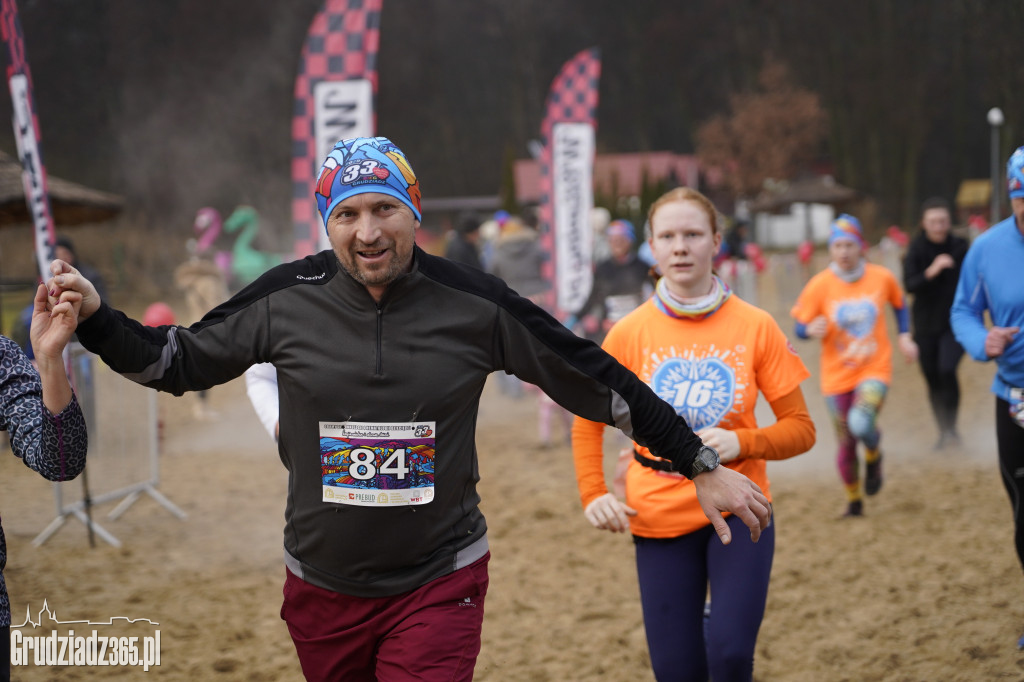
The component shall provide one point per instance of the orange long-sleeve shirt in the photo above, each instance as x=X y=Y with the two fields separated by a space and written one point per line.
x=856 y=345
x=711 y=371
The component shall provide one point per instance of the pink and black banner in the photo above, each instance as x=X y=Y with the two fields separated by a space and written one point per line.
x=334 y=99
x=567 y=192
x=26 y=134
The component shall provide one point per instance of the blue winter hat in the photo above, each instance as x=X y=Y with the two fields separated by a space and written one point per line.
x=366 y=164
x=846 y=227
x=1015 y=174
x=623 y=228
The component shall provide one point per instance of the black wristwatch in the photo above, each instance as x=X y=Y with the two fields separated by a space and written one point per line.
x=706 y=460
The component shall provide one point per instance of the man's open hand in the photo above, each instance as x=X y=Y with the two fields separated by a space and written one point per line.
x=724 y=490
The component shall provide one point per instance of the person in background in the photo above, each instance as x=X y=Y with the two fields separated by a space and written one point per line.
x=991 y=281
x=736 y=238
x=931 y=269
x=382 y=353
x=39 y=411
x=64 y=249
x=205 y=286
x=463 y=242
x=517 y=261
x=708 y=354
x=518 y=258
x=621 y=283
x=842 y=306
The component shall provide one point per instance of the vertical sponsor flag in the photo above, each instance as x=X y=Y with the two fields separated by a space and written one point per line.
x=33 y=179
x=567 y=192
x=334 y=100
x=26 y=134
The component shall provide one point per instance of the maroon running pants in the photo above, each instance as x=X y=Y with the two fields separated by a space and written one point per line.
x=431 y=633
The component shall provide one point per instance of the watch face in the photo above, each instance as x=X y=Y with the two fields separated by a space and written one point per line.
x=707 y=459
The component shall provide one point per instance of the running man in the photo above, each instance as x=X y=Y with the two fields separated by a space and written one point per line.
x=382 y=352
x=991 y=281
x=930 y=272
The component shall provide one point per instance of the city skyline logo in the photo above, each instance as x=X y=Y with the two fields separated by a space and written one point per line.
x=52 y=616
x=61 y=646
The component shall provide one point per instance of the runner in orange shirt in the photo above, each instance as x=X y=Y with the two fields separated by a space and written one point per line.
x=843 y=307
x=709 y=354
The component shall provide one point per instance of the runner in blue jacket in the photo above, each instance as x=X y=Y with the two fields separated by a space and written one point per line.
x=990 y=280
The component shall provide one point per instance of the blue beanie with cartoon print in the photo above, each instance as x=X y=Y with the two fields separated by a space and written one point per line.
x=1015 y=174
x=366 y=164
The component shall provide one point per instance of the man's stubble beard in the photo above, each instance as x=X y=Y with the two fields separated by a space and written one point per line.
x=376 y=277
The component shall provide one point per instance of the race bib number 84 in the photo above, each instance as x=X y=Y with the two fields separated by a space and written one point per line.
x=377 y=465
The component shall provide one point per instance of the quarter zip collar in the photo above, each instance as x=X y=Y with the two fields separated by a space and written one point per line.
x=358 y=292
x=357 y=295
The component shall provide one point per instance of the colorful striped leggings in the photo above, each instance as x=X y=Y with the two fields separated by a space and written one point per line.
x=853 y=416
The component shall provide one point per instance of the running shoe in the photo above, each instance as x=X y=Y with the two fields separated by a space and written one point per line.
x=948 y=439
x=1020 y=643
x=873 y=477
x=854 y=509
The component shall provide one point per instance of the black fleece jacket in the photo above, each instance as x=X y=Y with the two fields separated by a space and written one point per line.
x=422 y=354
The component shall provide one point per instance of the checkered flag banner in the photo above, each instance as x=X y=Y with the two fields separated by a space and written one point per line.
x=334 y=100
x=567 y=192
x=26 y=135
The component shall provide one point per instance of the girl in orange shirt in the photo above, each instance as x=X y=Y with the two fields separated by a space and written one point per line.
x=709 y=354
x=843 y=307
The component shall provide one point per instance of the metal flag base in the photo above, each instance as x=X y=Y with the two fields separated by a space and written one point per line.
x=82 y=371
x=77 y=509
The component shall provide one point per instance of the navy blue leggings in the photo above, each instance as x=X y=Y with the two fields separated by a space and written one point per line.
x=675 y=575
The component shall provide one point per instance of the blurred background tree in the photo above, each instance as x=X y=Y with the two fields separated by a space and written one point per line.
x=773 y=132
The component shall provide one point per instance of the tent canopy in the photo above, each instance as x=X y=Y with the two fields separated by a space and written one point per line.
x=822 y=189
x=70 y=203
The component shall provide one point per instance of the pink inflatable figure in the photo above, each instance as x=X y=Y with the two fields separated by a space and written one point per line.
x=207 y=227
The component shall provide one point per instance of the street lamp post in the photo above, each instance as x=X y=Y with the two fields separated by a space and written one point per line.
x=995 y=119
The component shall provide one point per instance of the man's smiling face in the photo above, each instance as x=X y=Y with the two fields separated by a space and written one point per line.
x=373 y=236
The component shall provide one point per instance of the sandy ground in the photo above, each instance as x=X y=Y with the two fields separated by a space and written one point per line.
x=926 y=586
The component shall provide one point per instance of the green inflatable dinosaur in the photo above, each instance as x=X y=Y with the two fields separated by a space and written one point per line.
x=247 y=263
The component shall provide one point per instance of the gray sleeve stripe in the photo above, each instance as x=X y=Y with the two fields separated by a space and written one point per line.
x=157 y=369
x=621 y=415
